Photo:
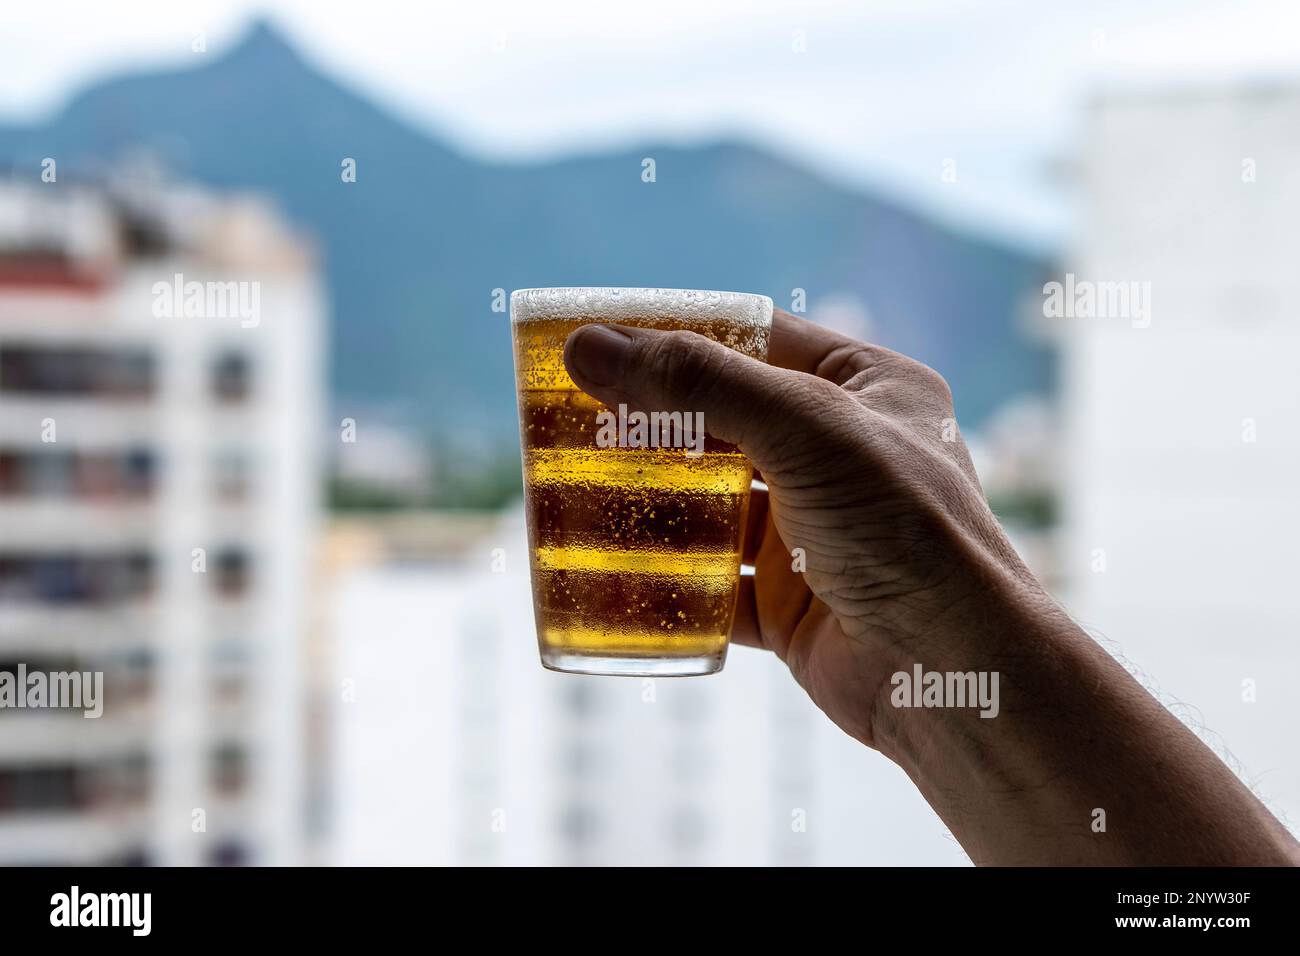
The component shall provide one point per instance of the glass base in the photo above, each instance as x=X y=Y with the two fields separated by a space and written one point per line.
x=571 y=663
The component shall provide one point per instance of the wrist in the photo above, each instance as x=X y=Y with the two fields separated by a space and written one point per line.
x=954 y=657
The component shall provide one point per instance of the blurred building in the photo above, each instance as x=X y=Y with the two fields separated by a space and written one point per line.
x=158 y=494
x=1184 y=422
x=451 y=744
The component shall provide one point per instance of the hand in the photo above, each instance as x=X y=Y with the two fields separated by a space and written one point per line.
x=874 y=529
x=875 y=551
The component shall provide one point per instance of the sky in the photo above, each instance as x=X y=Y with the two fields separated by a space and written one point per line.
x=970 y=110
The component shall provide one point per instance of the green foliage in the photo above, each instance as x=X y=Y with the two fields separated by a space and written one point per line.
x=484 y=485
x=1036 y=508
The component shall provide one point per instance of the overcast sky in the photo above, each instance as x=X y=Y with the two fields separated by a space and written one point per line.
x=882 y=94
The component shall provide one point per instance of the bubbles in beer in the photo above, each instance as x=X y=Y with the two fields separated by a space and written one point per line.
x=635 y=551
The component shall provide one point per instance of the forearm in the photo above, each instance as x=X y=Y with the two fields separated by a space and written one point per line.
x=1077 y=744
x=901 y=563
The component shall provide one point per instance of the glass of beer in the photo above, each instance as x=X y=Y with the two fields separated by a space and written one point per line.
x=634 y=533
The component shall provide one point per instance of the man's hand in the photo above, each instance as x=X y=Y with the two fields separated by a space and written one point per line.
x=871 y=491
x=873 y=495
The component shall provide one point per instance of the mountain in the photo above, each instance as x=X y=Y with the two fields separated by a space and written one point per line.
x=414 y=248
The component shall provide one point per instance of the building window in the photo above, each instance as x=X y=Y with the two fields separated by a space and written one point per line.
x=228 y=768
x=78 y=371
x=232 y=576
x=129 y=474
x=75 y=579
x=231 y=377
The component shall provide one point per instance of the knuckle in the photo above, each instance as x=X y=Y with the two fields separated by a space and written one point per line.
x=845 y=362
x=931 y=382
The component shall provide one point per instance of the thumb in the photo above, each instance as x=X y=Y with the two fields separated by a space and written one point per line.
x=755 y=406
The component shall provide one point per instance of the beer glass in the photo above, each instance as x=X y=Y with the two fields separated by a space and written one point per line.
x=634 y=540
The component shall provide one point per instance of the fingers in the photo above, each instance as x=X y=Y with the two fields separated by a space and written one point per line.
x=771 y=601
x=892 y=383
x=745 y=629
x=744 y=401
x=808 y=347
x=755 y=522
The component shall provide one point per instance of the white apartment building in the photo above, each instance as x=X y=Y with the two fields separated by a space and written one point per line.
x=1183 y=439
x=158 y=502
x=450 y=744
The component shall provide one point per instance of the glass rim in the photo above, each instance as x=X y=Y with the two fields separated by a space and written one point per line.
x=598 y=302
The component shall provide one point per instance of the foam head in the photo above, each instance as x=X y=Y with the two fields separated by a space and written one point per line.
x=674 y=307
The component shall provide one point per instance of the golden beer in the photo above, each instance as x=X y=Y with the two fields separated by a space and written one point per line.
x=635 y=551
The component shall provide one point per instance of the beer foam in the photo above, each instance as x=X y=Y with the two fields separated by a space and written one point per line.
x=673 y=306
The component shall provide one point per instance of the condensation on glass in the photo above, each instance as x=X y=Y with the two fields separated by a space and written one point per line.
x=635 y=552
